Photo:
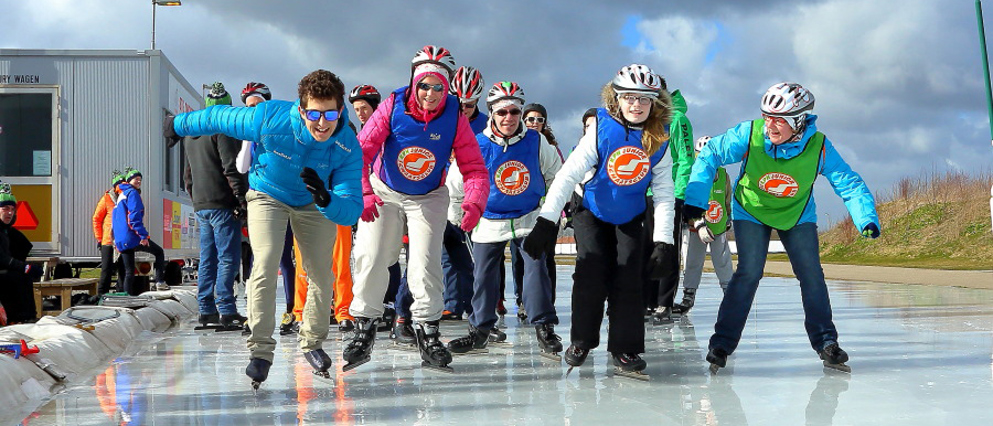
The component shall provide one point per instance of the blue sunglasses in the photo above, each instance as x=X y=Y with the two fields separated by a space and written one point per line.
x=315 y=115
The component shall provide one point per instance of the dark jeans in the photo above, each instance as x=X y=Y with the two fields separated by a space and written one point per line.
x=457 y=264
x=517 y=265
x=536 y=292
x=220 y=251
x=670 y=275
x=127 y=256
x=753 y=247
x=108 y=268
x=608 y=269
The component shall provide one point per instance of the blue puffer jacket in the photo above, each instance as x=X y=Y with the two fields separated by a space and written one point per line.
x=730 y=148
x=284 y=147
x=128 y=221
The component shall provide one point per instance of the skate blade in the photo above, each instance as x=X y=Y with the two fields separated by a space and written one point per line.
x=663 y=324
x=324 y=375
x=569 y=370
x=842 y=367
x=438 y=368
x=472 y=352
x=714 y=368
x=551 y=356
x=223 y=329
x=354 y=365
x=636 y=375
x=255 y=387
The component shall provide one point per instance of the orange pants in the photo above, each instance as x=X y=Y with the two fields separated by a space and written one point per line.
x=341 y=268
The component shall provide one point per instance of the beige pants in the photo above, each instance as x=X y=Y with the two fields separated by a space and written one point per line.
x=315 y=235
x=377 y=246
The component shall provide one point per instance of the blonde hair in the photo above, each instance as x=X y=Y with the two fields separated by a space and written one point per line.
x=659 y=117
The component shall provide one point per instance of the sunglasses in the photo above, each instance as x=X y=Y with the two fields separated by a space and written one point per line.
x=315 y=115
x=530 y=120
x=469 y=105
x=504 y=112
x=436 y=87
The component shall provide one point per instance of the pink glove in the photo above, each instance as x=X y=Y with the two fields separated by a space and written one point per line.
x=370 y=212
x=471 y=216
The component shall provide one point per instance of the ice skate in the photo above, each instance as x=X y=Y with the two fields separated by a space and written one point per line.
x=834 y=358
x=718 y=358
x=347 y=329
x=386 y=322
x=498 y=336
x=473 y=343
x=662 y=316
x=288 y=325
x=403 y=336
x=630 y=365
x=258 y=371
x=522 y=314
x=550 y=343
x=682 y=308
x=208 y=322
x=320 y=361
x=434 y=354
x=575 y=357
x=233 y=322
x=359 y=350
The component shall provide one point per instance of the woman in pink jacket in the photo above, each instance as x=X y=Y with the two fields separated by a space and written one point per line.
x=407 y=142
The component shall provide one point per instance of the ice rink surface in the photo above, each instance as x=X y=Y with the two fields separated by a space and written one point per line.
x=919 y=356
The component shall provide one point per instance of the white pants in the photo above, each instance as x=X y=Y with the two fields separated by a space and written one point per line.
x=377 y=246
x=696 y=253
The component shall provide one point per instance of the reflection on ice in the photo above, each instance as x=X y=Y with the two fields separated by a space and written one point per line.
x=916 y=352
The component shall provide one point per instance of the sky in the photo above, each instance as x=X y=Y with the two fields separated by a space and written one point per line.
x=898 y=85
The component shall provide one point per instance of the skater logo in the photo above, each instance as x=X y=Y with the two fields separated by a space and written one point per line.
x=780 y=185
x=627 y=166
x=715 y=212
x=416 y=163
x=512 y=178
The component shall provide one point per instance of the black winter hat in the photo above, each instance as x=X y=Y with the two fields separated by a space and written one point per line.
x=535 y=107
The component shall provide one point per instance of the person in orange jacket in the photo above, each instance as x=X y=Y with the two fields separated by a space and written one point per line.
x=341 y=269
x=102 y=230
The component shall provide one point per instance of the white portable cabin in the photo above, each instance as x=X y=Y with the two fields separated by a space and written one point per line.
x=68 y=118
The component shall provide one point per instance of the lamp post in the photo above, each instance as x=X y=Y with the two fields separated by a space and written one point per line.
x=161 y=3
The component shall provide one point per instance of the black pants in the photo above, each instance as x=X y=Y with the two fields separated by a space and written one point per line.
x=17 y=296
x=129 y=265
x=608 y=269
x=670 y=275
x=108 y=268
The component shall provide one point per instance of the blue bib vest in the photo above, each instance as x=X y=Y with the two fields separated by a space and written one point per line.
x=516 y=183
x=414 y=156
x=479 y=123
x=616 y=193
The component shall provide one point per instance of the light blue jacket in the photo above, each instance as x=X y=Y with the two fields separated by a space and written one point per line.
x=731 y=147
x=284 y=147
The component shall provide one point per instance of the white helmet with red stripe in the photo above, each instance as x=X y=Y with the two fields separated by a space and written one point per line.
x=505 y=90
x=467 y=84
x=434 y=55
x=790 y=101
x=638 y=79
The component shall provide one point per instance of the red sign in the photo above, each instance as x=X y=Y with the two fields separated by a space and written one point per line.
x=26 y=220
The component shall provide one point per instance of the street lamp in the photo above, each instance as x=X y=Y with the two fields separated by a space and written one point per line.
x=161 y=3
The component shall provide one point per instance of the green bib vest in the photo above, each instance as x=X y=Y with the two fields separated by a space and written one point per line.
x=718 y=215
x=775 y=191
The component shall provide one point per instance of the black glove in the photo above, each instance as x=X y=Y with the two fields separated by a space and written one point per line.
x=692 y=213
x=679 y=204
x=241 y=212
x=316 y=187
x=870 y=231
x=661 y=252
x=33 y=271
x=99 y=246
x=169 y=131
x=541 y=240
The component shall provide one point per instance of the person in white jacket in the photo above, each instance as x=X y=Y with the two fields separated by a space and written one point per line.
x=521 y=165
x=626 y=151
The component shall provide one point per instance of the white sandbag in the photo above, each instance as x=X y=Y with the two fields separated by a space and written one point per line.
x=188 y=298
x=171 y=308
x=73 y=351
x=116 y=332
x=153 y=320
x=24 y=386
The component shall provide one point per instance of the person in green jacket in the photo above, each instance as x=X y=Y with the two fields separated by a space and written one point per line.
x=659 y=295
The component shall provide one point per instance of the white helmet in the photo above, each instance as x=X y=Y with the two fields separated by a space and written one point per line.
x=639 y=79
x=467 y=84
x=788 y=100
x=505 y=90
x=700 y=143
x=434 y=55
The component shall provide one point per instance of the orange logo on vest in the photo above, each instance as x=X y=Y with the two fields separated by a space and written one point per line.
x=779 y=184
x=416 y=163
x=628 y=166
x=512 y=178
x=715 y=212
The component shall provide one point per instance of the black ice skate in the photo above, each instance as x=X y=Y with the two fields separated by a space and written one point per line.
x=258 y=371
x=347 y=330
x=630 y=365
x=359 y=350
x=434 y=354
x=474 y=343
x=550 y=343
x=522 y=314
x=662 y=316
x=681 y=308
x=403 y=336
x=497 y=336
x=386 y=322
x=208 y=322
x=718 y=358
x=575 y=357
x=834 y=358
x=320 y=361
x=288 y=325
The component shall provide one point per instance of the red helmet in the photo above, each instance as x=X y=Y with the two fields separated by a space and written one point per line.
x=467 y=85
x=254 y=88
x=365 y=91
